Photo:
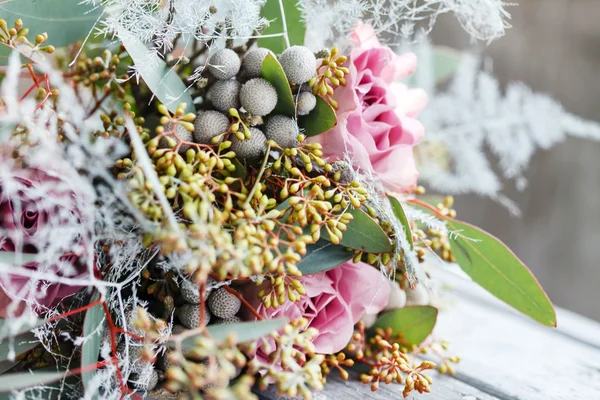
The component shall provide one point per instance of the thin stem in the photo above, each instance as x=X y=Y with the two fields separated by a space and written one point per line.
x=260 y=174
x=284 y=22
x=245 y=302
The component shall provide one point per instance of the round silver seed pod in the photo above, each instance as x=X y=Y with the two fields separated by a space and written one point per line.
x=251 y=149
x=299 y=64
x=306 y=103
x=224 y=94
x=224 y=64
x=208 y=125
x=252 y=64
x=258 y=97
x=283 y=130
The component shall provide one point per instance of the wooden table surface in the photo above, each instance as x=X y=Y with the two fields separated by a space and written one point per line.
x=503 y=356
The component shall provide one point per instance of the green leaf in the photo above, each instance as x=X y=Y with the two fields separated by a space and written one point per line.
x=7 y=257
x=166 y=85
x=319 y=120
x=294 y=21
x=497 y=269
x=272 y=71
x=24 y=327
x=65 y=21
x=323 y=256
x=399 y=212
x=93 y=327
x=413 y=323
x=446 y=61
x=245 y=331
x=24 y=380
x=19 y=344
x=364 y=234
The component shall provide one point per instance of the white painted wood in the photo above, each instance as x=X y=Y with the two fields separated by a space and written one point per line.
x=514 y=358
x=443 y=388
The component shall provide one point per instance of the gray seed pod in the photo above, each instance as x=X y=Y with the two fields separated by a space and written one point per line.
x=181 y=133
x=232 y=320
x=152 y=382
x=258 y=97
x=208 y=125
x=224 y=64
x=283 y=130
x=250 y=149
x=306 y=103
x=223 y=304
x=191 y=293
x=224 y=94
x=252 y=64
x=299 y=64
x=189 y=315
x=177 y=329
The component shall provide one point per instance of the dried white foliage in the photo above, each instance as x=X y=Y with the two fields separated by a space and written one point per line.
x=474 y=115
x=159 y=22
x=332 y=20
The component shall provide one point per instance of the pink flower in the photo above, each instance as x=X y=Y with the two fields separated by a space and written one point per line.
x=334 y=302
x=376 y=115
x=33 y=204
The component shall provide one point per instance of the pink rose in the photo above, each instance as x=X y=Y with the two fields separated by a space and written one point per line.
x=33 y=205
x=334 y=302
x=376 y=115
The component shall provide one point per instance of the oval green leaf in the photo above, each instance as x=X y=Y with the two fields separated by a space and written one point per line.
x=93 y=327
x=244 y=331
x=19 y=344
x=65 y=21
x=24 y=380
x=399 y=212
x=498 y=270
x=296 y=28
x=363 y=234
x=163 y=81
x=323 y=256
x=319 y=120
x=413 y=324
x=272 y=72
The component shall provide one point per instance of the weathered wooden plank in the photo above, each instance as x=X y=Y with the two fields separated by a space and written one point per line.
x=443 y=388
x=506 y=354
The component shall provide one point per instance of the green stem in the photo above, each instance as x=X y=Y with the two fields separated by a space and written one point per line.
x=258 y=178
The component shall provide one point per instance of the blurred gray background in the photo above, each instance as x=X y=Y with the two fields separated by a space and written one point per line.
x=553 y=47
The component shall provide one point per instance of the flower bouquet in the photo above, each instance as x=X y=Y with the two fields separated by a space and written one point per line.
x=194 y=203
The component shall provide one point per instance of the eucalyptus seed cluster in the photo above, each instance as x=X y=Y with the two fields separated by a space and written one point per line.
x=331 y=74
x=294 y=351
x=100 y=72
x=16 y=37
x=388 y=360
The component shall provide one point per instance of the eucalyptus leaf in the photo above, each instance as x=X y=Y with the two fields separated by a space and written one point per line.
x=7 y=257
x=25 y=380
x=19 y=345
x=323 y=256
x=296 y=28
x=163 y=81
x=446 y=61
x=364 y=234
x=65 y=21
x=492 y=265
x=320 y=120
x=93 y=328
x=244 y=331
x=7 y=326
x=412 y=323
x=399 y=213
x=272 y=72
